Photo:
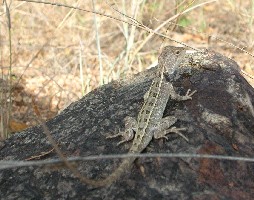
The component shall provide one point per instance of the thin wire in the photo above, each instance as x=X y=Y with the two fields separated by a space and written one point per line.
x=17 y=164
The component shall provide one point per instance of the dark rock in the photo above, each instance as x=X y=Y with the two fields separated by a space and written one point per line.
x=219 y=121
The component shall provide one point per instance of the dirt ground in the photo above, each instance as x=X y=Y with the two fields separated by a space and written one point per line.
x=60 y=54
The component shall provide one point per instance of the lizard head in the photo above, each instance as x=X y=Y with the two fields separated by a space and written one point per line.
x=179 y=60
x=171 y=57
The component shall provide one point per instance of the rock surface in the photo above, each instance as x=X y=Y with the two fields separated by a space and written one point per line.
x=219 y=120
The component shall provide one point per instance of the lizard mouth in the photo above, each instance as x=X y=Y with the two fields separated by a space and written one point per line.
x=190 y=51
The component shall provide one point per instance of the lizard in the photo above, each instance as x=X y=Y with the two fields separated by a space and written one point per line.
x=150 y=122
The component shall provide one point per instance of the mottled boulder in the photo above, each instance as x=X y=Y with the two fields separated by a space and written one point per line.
x=219 y=120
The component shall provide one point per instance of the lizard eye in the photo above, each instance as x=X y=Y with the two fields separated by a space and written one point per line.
x=177 y=52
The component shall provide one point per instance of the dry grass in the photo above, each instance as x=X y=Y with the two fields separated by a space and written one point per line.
x=59 y=54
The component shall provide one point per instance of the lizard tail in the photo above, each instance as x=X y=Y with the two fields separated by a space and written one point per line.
x=125 y=165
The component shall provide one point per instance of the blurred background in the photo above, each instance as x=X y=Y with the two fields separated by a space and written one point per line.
x=51 y=56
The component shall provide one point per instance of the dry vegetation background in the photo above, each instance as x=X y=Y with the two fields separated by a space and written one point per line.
x=59 y=54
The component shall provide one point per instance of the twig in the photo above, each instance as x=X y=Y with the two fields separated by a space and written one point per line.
x=151 y=31
x=98 y=44
x=6 y=116
x=246 y=74
x=141 y=26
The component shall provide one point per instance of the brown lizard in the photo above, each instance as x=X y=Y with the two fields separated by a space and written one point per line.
x=149 y=122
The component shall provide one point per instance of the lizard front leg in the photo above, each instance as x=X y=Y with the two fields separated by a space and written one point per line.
x=178 y=97
x=127 y=134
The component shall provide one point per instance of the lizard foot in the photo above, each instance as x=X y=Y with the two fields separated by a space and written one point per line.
x=189 y=95
x=128 y=133
x=174 y=130
x=121 y=134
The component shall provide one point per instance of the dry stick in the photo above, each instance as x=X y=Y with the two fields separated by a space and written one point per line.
x=31 y=61
x=28 y=65
x=13 y=8
x=163 y=24
x=9 y=104
x=152 y=32
x=176 y=9
x=81 y=49
x=56 y=148
x=69 y=14
x=181 y=13
x=141 y=26
x=41 y=155
x=98 y=44
x=217 y=38
x=174 y=17
x=246 y=74
x=133 y=22
x=129 y=36
x=131 y=18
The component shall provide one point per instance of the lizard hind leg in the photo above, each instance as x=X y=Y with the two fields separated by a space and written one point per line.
x=173 y=129
x=165 y=128
x=177 y=131
x=127 y=134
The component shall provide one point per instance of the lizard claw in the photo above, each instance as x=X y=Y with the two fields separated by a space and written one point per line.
x=127 y=136
x=178 y=131
x=123 y=141
x=189 y=95
x=115 y=135
x=166 y=138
